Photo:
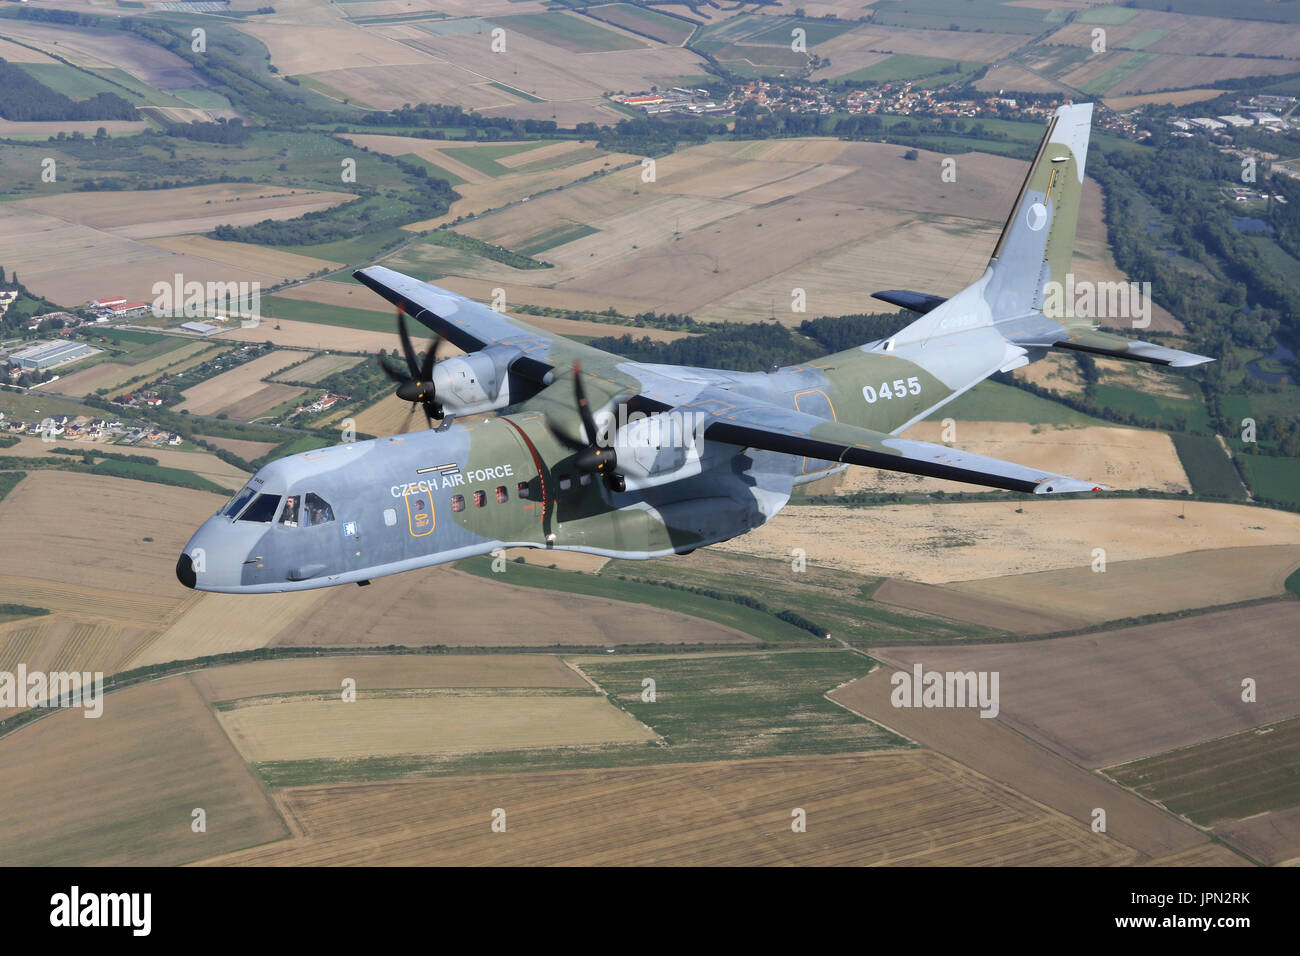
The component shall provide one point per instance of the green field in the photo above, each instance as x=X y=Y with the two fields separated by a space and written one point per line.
x=1173 y=413
x=515 y=91
x=989 y=16
x=1207 y=467
x=1226 y=779
x=815 y=31
x=744 y=705
x=1277 y=479
x=484 y=158
x=9 y=480
x=1100 y=84
x=1109 y=16
x=555 y=237
x=906 y=66
x=995 y=402
x=568 y=32
x=434 y=169
x=838 y=601
x=297 y=310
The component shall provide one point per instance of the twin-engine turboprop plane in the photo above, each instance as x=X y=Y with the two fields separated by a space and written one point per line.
x=626 y=459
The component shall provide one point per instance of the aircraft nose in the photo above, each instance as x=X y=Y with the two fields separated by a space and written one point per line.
x=185 y=570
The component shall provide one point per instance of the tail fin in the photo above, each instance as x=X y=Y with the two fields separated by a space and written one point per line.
x=1037 y=241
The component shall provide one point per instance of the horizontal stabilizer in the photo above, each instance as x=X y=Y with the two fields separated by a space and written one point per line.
x=1098 y=342
x=906 y=299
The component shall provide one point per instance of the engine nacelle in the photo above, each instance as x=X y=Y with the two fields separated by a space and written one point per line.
x=482 y=381
x=660 y=448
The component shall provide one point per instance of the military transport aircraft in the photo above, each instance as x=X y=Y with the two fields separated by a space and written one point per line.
x=626 y=459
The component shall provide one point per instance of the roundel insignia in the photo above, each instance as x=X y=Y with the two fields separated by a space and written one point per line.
x=1036 y=216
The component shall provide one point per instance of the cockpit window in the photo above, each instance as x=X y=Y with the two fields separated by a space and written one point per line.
x=237 y=503
x=262 y=509
x=318 y=510
x=306 y=511
x=289 y=516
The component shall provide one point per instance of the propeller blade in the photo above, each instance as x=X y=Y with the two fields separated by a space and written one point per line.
x=406 y=422
x=407 y=349
x=563 y=437
x=430 y=357
x=388 y=370
x=584 y=409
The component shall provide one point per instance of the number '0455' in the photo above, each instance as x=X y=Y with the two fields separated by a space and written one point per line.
x=896 y=389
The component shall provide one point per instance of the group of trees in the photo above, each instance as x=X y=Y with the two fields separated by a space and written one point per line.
x=24 y=98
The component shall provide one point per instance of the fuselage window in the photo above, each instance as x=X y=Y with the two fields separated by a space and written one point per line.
x=262 y=509
x=565 y=482
x=480 y=498
x=237 y=503
x=502 y=495
x=584 y=479
x=457 y=502
x=523 y=489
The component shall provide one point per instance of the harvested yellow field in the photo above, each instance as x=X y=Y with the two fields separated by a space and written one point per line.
x=151 y=213
x=315 y=369
x=443 y=606
x=114 y=375
x=312 y=335
x=1154 y=586
x=938 y=543
x=899 y=808
x=230 y=388
x=302 y=48
x=385 y=672
x=40 y=246
x=200 y=463
x=222 y=623
x=245 y=255
x=541 y=153
x=17 y=53
x=296 y=729
x=479 y=197
x=1120 y=458
x=61 y=643
x=247 y=450
x=134 y=530
x=1170 y=98
x=120 y=790
x=387 y=416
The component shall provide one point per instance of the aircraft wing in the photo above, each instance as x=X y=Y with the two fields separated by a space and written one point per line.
x=750 y=423
x=471 y=326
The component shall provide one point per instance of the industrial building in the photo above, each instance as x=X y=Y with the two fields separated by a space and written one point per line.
x=45 y=355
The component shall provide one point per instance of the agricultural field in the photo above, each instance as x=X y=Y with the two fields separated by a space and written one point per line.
x=425 y=724
x=871 y=809
x=104 y=231
x=1149 y=689
x=998 y=753
x=180 y=355
x=155 y=754
x=1231 y=778
x=1180 y=582
x=740 y=224
x=200 y=463
x=643 y=21
x=445 y=606
x=1120 y=458
x=317 y=368
x=240 y=393
x=941 y=543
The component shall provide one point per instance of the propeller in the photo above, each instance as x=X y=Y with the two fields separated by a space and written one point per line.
x=591 y=458
x=416 y=386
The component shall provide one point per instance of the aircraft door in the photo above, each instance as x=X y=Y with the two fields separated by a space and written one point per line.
x=816 y=402
x=420 y=518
